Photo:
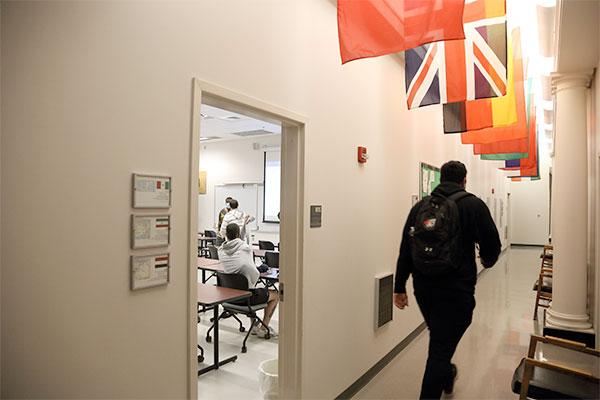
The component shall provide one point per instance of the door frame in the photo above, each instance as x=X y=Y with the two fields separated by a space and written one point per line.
x=291 y=229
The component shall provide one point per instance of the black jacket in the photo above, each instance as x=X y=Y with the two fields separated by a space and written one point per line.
x=477 y=226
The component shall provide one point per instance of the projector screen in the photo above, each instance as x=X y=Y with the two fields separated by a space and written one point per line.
x=272 y=187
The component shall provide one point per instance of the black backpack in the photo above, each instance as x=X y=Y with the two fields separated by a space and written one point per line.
x=436 y=237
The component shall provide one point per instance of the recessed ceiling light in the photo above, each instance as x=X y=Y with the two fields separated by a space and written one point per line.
x=231 y=118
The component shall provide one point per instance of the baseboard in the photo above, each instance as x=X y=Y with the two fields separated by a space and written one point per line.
x=361 y=382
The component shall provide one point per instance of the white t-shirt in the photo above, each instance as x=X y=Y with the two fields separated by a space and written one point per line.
x=238 y=217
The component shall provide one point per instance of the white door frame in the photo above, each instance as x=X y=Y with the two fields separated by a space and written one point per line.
x=291 y=229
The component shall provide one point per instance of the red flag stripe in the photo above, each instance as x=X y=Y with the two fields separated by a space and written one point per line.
x=422 y=75
x=489 y=69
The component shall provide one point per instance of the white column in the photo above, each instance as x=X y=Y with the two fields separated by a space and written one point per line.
x=570 y=203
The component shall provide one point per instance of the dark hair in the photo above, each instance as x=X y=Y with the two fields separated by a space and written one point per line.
x=453 y=171
x=232 y=231
x=233 y=204
x=229 y=198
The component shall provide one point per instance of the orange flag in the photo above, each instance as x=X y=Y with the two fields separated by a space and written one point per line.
x=522 y=145
x=370 y=28
x=529 y=165
x=510 y=132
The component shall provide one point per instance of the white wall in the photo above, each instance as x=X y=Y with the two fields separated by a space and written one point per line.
x=530 y=209
x=234 y=161
x=95 y=91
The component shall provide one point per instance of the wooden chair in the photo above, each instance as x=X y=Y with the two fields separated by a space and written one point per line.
x=540 y=378
x=543 y=285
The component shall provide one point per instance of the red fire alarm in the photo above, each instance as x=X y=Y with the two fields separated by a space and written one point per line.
x=362 y=155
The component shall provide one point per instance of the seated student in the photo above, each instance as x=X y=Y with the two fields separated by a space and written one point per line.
x=236 y=258
x=239 y=217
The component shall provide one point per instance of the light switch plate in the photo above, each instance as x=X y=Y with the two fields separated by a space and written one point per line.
x=316 y=213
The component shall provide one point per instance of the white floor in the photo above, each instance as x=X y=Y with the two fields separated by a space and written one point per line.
x=239 y=379
x=486 y=357
x=493 y=345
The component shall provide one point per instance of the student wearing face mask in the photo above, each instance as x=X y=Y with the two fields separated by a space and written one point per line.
x=224 y=212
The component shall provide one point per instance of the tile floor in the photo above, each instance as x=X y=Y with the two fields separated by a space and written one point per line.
x=492 y=347
x=237 y=380
x=486 y=357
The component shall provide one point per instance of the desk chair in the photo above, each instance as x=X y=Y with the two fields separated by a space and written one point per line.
x=203 y=244
x=239 y=281
x=272 y=259
x=213 y=253
x=266 y=245
x=546 y=378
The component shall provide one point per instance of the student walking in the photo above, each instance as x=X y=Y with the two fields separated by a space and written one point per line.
x=438 y=249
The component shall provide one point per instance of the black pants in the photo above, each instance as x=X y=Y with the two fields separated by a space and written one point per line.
x=448 y=314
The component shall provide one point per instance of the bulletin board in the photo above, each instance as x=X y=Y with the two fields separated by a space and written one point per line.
x=429 y=178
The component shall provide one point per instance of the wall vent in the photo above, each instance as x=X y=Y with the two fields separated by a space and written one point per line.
x=384 y=299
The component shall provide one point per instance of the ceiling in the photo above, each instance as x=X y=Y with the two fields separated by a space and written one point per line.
x=219 y=124
x=577 y=35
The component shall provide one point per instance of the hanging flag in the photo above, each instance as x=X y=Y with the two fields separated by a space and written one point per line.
x=530 y=165
x=507 y=146
x=504 y=156
x=511 y=132
x=458 y=70
x=478 y=114
x=370 y=28
x=512 y=163
x=509 y=169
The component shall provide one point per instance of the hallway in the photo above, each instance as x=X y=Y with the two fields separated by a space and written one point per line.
x=492 y=347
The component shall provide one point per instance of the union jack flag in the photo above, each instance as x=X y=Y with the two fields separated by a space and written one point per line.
x=459 y=70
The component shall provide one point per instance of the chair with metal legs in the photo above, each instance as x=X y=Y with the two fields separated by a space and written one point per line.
x=239 y=281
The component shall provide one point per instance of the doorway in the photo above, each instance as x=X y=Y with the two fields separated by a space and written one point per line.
x=257 y=196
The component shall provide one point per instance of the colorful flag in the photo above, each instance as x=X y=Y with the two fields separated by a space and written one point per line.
x=504 y=156
x=478 y=114
x=530 y=165
x=527 y=166
x=511 y=132
x=458 y=70
x=507 y=146
x=370 y=28
x=512 y=165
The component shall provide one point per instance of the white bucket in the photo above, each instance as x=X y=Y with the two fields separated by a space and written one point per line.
x=268 y=379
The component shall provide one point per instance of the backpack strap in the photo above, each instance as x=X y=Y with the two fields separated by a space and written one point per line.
x=458 y=196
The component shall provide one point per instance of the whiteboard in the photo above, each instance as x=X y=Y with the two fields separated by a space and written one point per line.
x=247 y=195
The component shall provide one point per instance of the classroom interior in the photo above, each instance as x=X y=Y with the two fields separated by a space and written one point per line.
x=249 y=99
x=240 y=159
